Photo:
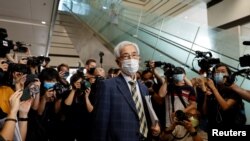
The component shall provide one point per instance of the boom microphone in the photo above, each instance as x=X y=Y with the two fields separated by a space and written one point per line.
x=247 y=43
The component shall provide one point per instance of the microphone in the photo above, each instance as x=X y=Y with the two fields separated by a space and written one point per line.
x=101 y=54
x=247 y=43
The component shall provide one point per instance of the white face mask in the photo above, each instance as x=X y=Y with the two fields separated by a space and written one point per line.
x=178 y=77
x=130 y=66
x=194 y=121
x=219 y=77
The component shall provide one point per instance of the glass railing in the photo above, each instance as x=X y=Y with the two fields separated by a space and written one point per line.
x=161 y=38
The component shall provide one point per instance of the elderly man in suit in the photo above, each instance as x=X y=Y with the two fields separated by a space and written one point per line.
x=121 y=112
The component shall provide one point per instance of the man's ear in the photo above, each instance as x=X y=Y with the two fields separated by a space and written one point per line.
x=117 y=62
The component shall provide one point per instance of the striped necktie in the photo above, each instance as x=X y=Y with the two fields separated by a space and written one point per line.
x=140 y=111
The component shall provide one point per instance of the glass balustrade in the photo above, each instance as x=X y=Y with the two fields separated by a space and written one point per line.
x=161 y=38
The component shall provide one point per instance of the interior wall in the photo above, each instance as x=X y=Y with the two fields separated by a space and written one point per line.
x=228 y=11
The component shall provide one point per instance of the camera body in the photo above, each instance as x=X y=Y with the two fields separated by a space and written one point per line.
x=13 y=67
x=244 y=60
x=180 y=115
x=85 y=85
x=157 y=63
x=206 y=61
x=35 y=61
x=60 y=89
x=168 y=68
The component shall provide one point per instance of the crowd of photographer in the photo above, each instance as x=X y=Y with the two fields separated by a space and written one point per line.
x=56 y=104
x=42 y=105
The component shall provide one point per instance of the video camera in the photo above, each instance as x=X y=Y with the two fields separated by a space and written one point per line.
x=207 y=61
x=244 y=60
x=7 y=45
x=168 y=68
x=36 y=61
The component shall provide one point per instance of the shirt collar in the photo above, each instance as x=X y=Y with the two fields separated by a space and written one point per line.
x=127 y=78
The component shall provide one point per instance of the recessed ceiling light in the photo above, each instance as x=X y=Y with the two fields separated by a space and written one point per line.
x=43 y=22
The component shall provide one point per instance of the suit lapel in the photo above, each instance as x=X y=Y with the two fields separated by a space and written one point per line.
x=124 y=90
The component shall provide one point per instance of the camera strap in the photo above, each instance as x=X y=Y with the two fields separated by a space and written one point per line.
x=180 y=97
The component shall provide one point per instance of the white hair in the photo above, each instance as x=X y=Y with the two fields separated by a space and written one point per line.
x=122 y=44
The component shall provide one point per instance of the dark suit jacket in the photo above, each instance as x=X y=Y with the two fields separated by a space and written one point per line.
x=115 y=116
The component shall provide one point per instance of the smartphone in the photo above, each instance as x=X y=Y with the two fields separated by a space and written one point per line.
x=26 y=94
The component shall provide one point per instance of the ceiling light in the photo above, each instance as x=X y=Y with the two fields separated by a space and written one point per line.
x=43 y=22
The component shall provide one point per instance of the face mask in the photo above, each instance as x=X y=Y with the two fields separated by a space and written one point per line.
x=66 y=74
x=130 y=67
x=194 y=121
x=48 y=85
x=178 y=77
x=218 y=77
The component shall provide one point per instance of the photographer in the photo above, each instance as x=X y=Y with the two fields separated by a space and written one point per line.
x=113 y=72
x=184 y=128
x=152 y=68
x=46 y=123
x=179 y=95
x=63 y=70
x=18 y=112
x=223 y=106
x=152 y=79
x=90 y=66
x=77 y=116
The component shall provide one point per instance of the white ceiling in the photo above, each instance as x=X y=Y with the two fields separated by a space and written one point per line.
x=22 y=19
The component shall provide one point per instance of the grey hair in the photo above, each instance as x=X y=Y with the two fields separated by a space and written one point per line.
x=122 y=44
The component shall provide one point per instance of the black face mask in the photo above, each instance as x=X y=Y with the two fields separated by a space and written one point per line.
x=91 y=70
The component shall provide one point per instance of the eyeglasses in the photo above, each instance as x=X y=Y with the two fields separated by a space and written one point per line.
x=127 y=56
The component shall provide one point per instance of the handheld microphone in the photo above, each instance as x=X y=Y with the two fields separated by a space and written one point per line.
x=101 y=54
x=247 y=43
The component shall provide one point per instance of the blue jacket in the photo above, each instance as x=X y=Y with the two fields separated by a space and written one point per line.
x=115 y=116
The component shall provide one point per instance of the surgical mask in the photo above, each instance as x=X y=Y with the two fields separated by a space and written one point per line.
x=178 y=77
x=194 y=121
x=48 y=85
x=66 y=74
x=218 y=77
x=130 y=67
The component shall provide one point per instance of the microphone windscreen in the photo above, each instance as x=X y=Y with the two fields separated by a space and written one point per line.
x=247 y=43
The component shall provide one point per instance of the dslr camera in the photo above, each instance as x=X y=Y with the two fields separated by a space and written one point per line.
x=60 y=89
x=180 y=115
x=36 y=61
x=13 y=67
x=168 y=68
